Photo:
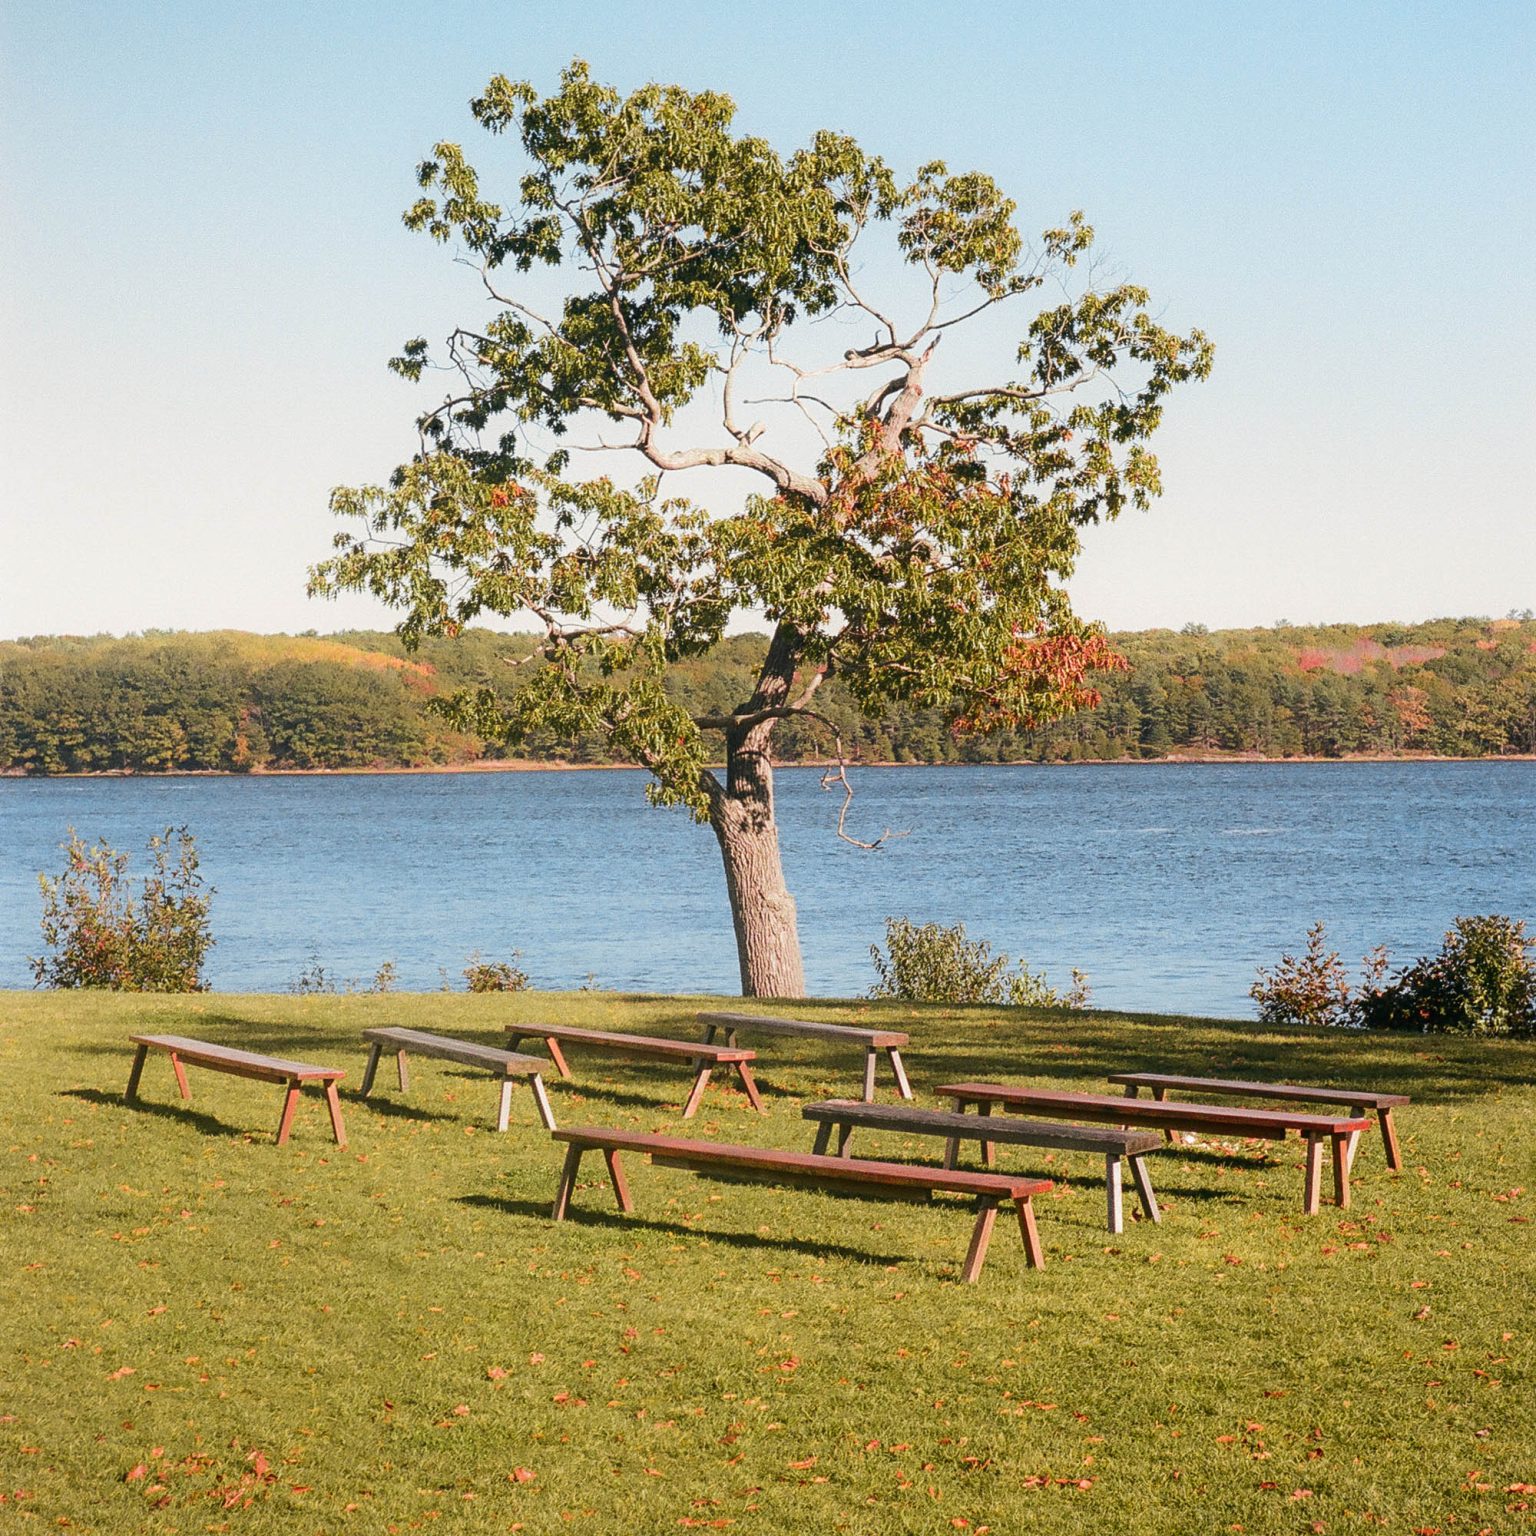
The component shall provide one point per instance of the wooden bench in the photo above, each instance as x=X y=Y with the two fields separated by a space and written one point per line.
x=507 y=1065
x=705 y=1058
x=1358 y=1101
x=872 y=1040
x=885 y=1181
x=1113 y=1145
x=225 y=1058
x=1269 y=1124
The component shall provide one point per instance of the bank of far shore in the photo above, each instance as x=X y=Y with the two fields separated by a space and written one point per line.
x=558 y=765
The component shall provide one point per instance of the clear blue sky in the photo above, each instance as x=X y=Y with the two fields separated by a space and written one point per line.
x=202 y=271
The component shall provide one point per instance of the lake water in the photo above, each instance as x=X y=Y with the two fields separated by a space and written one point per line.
x=1168 y=884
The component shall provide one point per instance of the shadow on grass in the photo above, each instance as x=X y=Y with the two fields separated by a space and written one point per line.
x=199 y=1119
x=1061 y=1048
x=390 y=1109
x=586 y=1217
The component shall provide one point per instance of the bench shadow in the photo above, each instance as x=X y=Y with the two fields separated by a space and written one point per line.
x=565 y=1088
x=618 y=1220
x=179 y=1111
x=390 y=1109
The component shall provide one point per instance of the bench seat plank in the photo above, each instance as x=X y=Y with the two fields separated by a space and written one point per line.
x=704 y=1057
x=721 y=1160
x=185 y=1051
x=502 y=1063
x=873 y=1041
x=1358 y=1099
x=1268 y=1124
x=1113 y=1144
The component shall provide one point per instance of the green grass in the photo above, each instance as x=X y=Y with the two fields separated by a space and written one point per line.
x=202 y=1331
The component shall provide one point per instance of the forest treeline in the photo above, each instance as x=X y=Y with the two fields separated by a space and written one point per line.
x=235 y=702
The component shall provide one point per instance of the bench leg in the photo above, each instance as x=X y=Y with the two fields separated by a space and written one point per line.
x=823 y=1136
x=1114 y=1193
x=709 y=1034
x=1341 y=1154
x=1159 y=1094
x=333 y=1103
x=504 y=1105
x=988 y=1152
x=749 y=1087
x=951 y=1151
x=131 y=1093
x=541 y=1101
x=404 y=1071
x=981 y=1235
x=1389 y=1140
x=903 y=1087
x=844 y=1133
x=870 y=1057
x=696 y=1093
x=567 y=1183
x=290 y=1103
x=616 y=1173
x=1143 y=1182
x=1311 y=1189
x=375 y=1050
x=181 y=1076
x=557 y=1056
x=1031 y=1233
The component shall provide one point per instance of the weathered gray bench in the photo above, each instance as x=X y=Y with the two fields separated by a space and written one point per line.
x=1267 y=1124
x=1113 y=1145
x=226 y=1058
x=768 y=1165
x=705 y=1058
x=1357 y=1100
x=873 y=1041
x=507 y=1065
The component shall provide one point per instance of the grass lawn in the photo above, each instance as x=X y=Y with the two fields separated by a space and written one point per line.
x=204 y=1332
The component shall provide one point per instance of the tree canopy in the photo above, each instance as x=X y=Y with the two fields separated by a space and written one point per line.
x=918 y=556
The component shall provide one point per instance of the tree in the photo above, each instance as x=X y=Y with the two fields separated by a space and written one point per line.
x=904 y=531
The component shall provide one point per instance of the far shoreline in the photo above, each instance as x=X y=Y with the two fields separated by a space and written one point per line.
x=531 y=765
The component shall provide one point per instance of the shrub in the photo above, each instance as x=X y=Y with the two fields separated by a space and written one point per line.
x=1312 y=988
x=100 y=937
x=935 y=964
x=314 y=980
x=494 y=975
x=1481 y=983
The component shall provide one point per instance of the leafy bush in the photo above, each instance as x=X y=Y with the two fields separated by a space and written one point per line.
x=494 y=975
x=100 y=937
x=1481 y=983
x=1313 y=988
x=935 y=964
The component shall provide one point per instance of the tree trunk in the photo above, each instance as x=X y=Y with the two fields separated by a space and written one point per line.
x=741 y=812
x=762 y=910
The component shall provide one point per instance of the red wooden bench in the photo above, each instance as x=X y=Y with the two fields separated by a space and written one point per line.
x=1115 y=1146
x=1269 y=1124
x=1357 y=1100
x=224 y=1058
x=873 y=1041
x=885 y=1181
x=705 y=1058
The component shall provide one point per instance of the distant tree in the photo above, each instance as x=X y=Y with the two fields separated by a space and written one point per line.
x=908 y=535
